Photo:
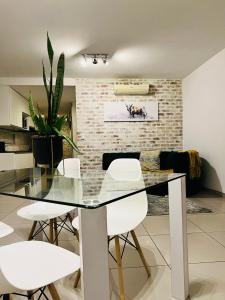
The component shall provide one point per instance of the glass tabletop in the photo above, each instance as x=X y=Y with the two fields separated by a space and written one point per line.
x=93 y=189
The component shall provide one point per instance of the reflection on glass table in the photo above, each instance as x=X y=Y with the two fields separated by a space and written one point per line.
x=94 y=189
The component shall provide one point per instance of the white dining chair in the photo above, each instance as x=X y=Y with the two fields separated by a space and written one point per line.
x=31 y=266
x=53 y=216
x=125 y=215
x=5 y=230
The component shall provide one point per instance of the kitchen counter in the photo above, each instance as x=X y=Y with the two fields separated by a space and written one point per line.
x=16 y=160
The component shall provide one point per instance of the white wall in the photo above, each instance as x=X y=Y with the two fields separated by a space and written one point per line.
x=204 y=118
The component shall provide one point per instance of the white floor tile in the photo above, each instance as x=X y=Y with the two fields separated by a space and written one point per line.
x=219 y=236
x=139 y=287
x=3 y=215
x=131 y=257
x=201 y=248
x=207 y=281
x=140 y=230
x=209 y=222
x=13 y=219
x=156 y=225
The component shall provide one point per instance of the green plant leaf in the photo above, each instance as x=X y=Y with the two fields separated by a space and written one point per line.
x=68 y=139
x=58 y=86
x=60 y=121
x=50 y=98
x=31 y=106
x=38 y=120
x=50 y=50
x=47 y=92
x=41 y=125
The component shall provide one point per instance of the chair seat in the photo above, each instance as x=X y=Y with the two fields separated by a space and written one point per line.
x=124 y=215
x=42 y=211
x=5 y=229
x=30 y=265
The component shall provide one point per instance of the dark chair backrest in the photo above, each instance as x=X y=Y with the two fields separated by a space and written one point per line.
x=107 y=158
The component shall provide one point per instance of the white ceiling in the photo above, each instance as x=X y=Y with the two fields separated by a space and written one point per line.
x=39 y=96
x=145 y=38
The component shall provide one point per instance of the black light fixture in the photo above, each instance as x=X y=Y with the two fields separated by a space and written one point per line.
x=95 y=61
x=105 y=58
x=96 y=58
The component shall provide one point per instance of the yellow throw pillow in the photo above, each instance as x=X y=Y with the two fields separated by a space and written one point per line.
x=159 y=171
x=150 y=160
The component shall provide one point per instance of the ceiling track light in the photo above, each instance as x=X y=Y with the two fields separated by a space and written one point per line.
x=96 y=58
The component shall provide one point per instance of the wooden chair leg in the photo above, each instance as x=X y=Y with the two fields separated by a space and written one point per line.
x=30 y=295
x=7 y=297
x=51 y=235
x=53 y=292
x=140 y=252
x=77 y=279
x=30 y=237
x=56 y=231
x=74 y=229
x=77 y=234
x=120 y=270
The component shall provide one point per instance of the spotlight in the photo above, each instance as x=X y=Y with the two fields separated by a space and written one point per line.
x=94 y=61
x=96 y=58
x=104 y=59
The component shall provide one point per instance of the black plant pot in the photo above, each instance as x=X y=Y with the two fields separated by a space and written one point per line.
x=47 y=150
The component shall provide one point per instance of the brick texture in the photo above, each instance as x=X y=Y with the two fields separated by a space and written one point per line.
x=67 y=149
x=94 y=136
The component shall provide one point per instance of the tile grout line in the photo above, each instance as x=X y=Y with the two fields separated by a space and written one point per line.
x=207 y=233
x=141 y=267
x=201 y=231
x=207 y=262
x=156 y=247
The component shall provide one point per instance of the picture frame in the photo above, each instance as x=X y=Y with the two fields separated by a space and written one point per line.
x=131 y=111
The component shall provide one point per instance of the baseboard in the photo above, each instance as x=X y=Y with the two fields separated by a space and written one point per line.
x=214 y=192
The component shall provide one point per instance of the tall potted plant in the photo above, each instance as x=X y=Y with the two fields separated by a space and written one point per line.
x=48 y=144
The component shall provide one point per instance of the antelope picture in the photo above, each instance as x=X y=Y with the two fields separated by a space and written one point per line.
x=121 y=111
x=136 y=111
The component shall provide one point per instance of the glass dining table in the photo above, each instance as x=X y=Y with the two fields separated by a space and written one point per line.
x=91 y=194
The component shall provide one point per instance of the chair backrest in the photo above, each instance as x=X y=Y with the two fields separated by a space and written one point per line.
x=128 y=213
x=128 y=169
x=69 y=167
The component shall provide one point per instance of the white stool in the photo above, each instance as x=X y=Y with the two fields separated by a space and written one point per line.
x=32 y=266
x=5 y=230
x=125 y=215
x=44 y=214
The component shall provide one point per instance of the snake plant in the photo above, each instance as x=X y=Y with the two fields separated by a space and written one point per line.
x=53 y=123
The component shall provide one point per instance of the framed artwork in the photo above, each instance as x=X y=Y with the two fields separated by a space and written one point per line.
x=131 y=111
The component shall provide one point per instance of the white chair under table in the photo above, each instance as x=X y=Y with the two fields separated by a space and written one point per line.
x=47 y=215
x=125 y=215
x=27 y=268
x=5 y=230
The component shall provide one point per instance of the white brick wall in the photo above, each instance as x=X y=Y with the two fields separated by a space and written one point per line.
x=96 y=136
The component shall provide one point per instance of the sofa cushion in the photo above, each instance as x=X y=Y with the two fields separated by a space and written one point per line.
x=107 y=158
x=150 y=160
x=181 y=163
x=178 y=161
x=167 y=160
